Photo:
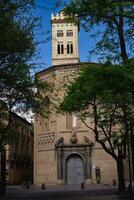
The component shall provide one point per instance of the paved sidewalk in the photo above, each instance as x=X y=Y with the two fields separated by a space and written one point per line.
x=65 y=192
x=61 y=187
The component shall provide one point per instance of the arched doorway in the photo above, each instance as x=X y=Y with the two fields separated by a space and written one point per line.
x=75 y=170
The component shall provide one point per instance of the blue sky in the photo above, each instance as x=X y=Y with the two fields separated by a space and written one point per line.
x=45 y=49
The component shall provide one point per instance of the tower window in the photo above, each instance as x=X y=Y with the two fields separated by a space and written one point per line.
x=60 y=33
x=60 y=49
x=69 y=33
x=67 y=48
x=70 y=48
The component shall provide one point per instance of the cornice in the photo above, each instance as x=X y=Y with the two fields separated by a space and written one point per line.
x=63 y=67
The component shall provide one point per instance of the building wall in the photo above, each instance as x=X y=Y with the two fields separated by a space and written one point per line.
x=19 y=153
x=47 y=152
x=106 y=164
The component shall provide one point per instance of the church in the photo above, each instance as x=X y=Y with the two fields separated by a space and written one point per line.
x=65 y=151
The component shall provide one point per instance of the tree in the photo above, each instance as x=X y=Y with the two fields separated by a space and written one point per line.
x=113 y=22
x=18 y=87
x=93 y=94
x=107 y=98
x=17 y=51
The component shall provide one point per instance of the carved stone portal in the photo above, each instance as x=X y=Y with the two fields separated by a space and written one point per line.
x=64 y=151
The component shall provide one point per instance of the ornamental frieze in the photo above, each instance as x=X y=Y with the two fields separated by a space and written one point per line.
x=46 y=141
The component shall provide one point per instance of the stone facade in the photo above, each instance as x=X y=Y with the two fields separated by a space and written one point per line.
x=65 y=151
x=57 y=141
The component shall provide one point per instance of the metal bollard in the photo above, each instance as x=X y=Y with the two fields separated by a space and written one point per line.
x=27 y=185
x=43 y=186
x=82 y=185
x=114 y=182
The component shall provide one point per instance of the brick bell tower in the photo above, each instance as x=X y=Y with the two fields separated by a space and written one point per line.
x=64 y=40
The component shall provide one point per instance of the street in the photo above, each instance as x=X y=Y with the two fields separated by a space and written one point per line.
x=62 y=193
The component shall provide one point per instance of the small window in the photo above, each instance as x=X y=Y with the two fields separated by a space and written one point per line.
x=67 y=48
x=69 y=33
x=62 y=49
x=46 y=124
x=46 y=104
x=60 y=33
x=71 y=48
x=68 y=121
x=58 y=49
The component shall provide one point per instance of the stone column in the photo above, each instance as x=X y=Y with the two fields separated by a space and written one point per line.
x=88 y=165
x=59 y=163
x=60 y=166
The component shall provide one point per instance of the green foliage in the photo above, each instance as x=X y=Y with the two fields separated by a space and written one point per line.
x=112 y=23
x=18 y=89
x=104 y=93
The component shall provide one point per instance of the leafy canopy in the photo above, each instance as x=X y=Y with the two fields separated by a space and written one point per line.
x=18 y=88
x=101 y=82
x=104 y=93
x=112 y=23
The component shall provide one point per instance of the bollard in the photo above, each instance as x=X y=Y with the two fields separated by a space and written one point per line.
x=43 y=186
x=28 y=185
x=82 y=185
x=114 y=182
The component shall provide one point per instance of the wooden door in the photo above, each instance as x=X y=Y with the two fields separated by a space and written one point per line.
x=75 y=170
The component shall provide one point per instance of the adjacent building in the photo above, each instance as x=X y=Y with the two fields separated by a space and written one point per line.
x=19 y=153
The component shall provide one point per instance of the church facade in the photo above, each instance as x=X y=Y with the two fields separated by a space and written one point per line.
x=65 y=151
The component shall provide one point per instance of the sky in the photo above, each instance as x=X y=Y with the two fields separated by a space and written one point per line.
x=44 y=10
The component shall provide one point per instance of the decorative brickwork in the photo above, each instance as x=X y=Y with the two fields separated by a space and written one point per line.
x=46 y=141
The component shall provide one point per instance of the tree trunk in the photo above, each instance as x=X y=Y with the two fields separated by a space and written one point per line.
x=120 y=172
x=132 y=156
x=121 y=36
x=2 y=172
